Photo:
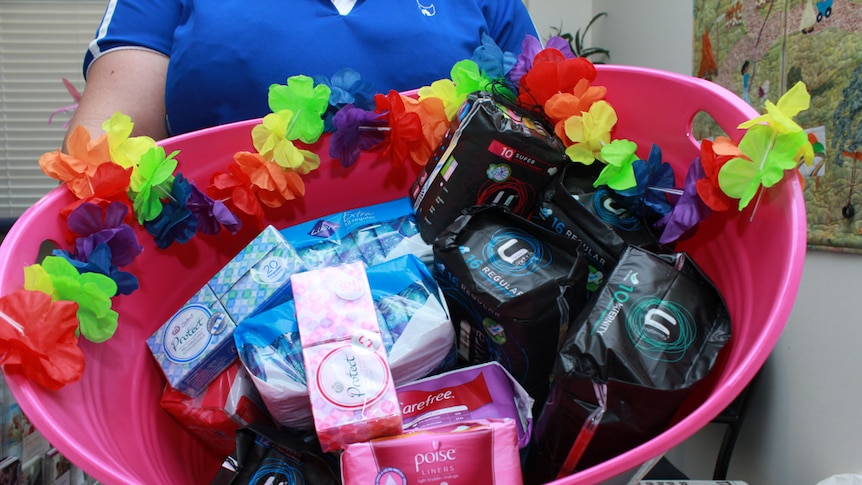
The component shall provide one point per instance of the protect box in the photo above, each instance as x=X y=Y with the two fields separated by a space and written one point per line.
x=196 y=343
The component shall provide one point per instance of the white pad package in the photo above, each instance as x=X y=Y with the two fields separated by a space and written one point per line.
x=371 y=234
x=414 y=324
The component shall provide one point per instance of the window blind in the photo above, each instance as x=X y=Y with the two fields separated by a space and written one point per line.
x=41 y=42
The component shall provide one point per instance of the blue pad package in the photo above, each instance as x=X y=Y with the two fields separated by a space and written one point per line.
x=414 y=322
x=371 y=234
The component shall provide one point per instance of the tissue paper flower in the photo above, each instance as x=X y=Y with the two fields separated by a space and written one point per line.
x=688 y=211
x=780 y=117
x=405 y=135
x=110 y=182
x=618 y=174
x=307 y=102
x=151 y=182
x=95 y=226
x=210 y=214
x=492 y=60
x=270 y=140
x=468 y=77
x=434 y=123
x=562 y=106
x=356 y=130
x=175 y=223
x=234 y=187
x=653 y=179
x=445 y=91
x=99 y=261
x=77 y=167
x=125 y=149
x=767 y=154
x=713 y=156
x=553 y=73
x=530 y=47
x=269 y=137
x=91 y=291
x=347 y=87
x=587 y=134
x=274 y=185
x=38 y=337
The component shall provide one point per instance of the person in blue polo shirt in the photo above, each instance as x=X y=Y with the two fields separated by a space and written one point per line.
x=176 y=66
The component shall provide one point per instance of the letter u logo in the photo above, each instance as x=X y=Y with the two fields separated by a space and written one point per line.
x=611 y=206
x=660 y=321
x=511 y=258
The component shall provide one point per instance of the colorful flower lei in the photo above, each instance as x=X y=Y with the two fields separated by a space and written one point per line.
x=119 y=180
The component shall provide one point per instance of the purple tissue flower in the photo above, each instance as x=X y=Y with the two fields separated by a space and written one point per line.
x=689 y=209
x=355 y=130
x=211 y=215
x=95 y=226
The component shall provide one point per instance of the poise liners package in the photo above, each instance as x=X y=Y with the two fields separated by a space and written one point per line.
x=480 y=452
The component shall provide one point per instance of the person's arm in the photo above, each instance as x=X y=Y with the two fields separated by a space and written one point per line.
x=131 y=81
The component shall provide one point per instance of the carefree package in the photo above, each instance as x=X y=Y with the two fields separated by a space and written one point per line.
x=484 y=391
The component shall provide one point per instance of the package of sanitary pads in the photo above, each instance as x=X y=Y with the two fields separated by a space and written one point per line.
x=512 y=287
x=484 y=391
x=414 y=326
x=481 y=452
x=493 y=154
x=371 y=234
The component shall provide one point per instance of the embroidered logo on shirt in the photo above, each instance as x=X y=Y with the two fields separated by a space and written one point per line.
x=427 y=10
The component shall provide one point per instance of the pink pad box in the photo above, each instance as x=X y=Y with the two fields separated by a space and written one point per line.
x=349 y=381
x=480 y=452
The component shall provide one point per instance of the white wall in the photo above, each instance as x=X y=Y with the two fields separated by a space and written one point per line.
x=804 y=423
x=569 y=15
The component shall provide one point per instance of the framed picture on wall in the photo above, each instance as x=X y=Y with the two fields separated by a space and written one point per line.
x=760 y=49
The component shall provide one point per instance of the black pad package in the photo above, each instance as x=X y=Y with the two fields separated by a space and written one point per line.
x=494 y=153
x=511 y=287
x=595 y=217
x=650 y=335
x=562 y=210
x=265 y=454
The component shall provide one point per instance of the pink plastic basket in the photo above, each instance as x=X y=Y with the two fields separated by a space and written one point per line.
x=110 y=423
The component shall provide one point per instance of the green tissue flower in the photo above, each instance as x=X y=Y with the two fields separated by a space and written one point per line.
x=308 y=104
x=92 y=292
x=618 y=174
x=151 y=181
